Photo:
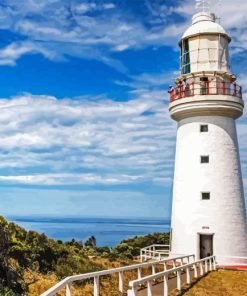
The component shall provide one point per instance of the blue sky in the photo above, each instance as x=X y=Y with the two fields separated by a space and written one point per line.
x=84 y=125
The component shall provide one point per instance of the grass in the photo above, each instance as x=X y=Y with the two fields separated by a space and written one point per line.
x=221 y=283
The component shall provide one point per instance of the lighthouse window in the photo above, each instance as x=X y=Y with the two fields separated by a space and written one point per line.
x=204 y=159
x=205 y=195
x=185 y=57
x=204 y=128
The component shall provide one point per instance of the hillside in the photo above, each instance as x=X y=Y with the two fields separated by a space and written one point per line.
x=31 y=262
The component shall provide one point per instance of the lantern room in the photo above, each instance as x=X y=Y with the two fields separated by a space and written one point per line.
x=204 y=46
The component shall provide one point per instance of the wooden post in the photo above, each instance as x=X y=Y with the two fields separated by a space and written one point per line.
x=166 y=288
x=179 y=284
x=68 y=291
x=96 y=286
x=132 y=292
x=153 y=269
x=121 y=282
x=195 y=271
x=188 y=275
x=201 y=268
x=214 y=264
x=149 y=289
x=139 y=272
x=206 y=265
x=174 y=264
x=210 y=264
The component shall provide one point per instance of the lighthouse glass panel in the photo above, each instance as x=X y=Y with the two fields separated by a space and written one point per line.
x=185 y=57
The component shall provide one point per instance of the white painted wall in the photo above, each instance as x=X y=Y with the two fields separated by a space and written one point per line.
x=224 y=214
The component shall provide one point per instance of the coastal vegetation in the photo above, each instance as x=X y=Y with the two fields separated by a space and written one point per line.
x=31 y=262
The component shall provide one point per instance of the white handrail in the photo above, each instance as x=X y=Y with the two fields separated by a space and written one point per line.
x=154 y=252
x=164 y=274
x=65 y=283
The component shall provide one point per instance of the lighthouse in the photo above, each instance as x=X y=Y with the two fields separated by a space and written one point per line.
x=208 y=210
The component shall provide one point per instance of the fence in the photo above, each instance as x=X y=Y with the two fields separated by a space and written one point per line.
x=205 y=265
x=205 y=88
x=154 y=252
x=67 y=282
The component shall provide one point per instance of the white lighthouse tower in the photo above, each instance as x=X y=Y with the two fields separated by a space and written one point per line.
x=208 y=212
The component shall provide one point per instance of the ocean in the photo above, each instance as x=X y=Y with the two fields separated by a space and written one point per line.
x=108 y=231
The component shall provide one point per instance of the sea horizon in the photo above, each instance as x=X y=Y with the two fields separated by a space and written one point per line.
x=109 y=231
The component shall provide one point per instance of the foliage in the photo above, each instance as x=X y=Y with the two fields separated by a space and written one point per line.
x=131 y=248
x=31 y=262
x=22 y=250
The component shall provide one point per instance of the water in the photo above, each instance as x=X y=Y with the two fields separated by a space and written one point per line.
x=108 y=231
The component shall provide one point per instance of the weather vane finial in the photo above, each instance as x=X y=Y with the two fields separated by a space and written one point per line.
x=203 y=5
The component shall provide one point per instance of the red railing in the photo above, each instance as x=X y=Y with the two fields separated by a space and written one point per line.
x=205 y=88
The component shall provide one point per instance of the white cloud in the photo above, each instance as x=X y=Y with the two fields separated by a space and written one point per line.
x=58 y=29
x=69 y=179
x=11 y=53
x=86 y=140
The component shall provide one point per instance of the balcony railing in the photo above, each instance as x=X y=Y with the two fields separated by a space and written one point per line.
x=205 y=88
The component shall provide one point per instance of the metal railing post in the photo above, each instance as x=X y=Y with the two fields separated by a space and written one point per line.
x=96 y=286
x=208 y=87
x=235 y=89
x=224 y=87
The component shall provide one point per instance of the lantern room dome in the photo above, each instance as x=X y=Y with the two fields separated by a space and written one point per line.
x=204 y=23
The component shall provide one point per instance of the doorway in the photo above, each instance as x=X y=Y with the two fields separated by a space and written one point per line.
x=206 y=245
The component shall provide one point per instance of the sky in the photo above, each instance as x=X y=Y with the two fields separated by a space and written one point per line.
x=84 y=122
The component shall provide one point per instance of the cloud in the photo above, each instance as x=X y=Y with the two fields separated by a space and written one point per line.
x=69 y=179
x=86 y=140
x=11 y=53
x=58 y=29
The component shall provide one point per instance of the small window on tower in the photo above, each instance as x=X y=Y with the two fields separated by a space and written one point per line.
x=204 y=128
x=205 y=195
x=205 y=159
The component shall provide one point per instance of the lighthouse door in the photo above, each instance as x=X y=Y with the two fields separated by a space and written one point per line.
x=206 y=245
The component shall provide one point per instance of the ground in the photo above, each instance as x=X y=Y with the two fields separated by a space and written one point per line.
x=221 y=283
